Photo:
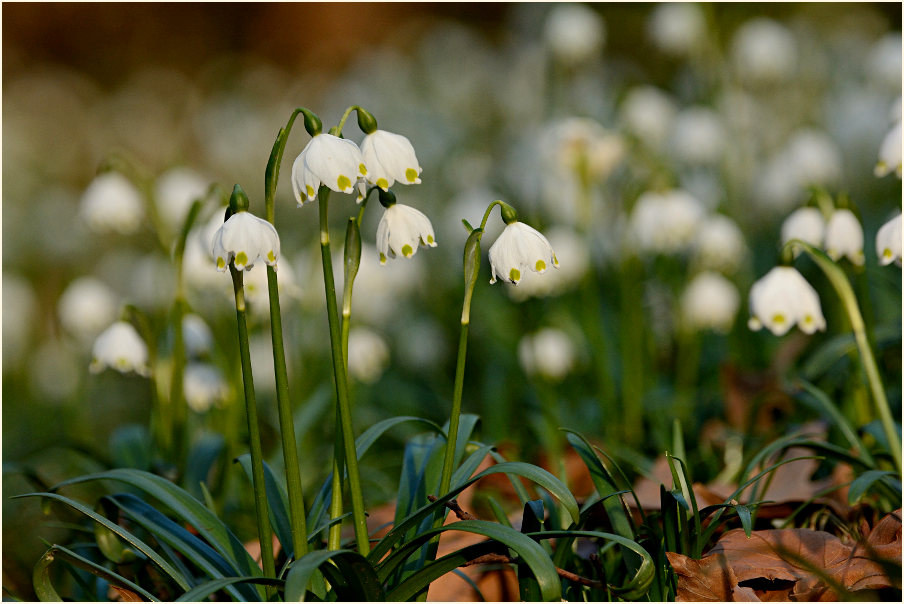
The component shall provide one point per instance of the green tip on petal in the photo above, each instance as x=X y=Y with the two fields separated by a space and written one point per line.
x=407 y=251
x=411 y=174
x=430 y=240
x=382 y=183
x=362 y=169
x=382 y=258
x=514 y=275
x=310 y=191
x=241 y=259
x=778 y=318
x=221 y=263
x=343 y=182
x=540 y=266
x=271 y=256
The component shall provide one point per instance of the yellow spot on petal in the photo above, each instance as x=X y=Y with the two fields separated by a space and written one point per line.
x=808 y=320
x=778 y=318
x=430 y=240
x=514 y=275
x=540 y=266
x=271 y=256
x=343 y=182
x=411 y=174
x=241 y=259
x=310 y=191
x=407 y=251
x=382 y=183
x=555 y=260
x=887 y=253
x=221 y=263
x=382 y=258
x=362 y=169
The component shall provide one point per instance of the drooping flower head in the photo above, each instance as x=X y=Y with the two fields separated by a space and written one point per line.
x=519 y=248
x=112 y=203
x=783 y=298
x=710 y=302
x=328 y=160
x=121 y=348
x=890 y=153
x=244 y=238
x=402 y=229
x=844 y=237
x=888 y=242
x=805 y=224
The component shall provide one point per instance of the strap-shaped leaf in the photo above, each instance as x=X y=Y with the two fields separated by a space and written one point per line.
x=862 y=483
x=44 y=587
x=420 y=581
x=202 y=591
x=200 y=460
x=187 y=509
x=277 y=501
x=195 y=550
x=129 y=537
x=357 y=575
x=531 y=472
x=528 y=550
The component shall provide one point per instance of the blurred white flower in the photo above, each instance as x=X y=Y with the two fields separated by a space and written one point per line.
x=19 y=306
x=764 y=50
x=890 y=153
x=112 y=203
x=329 y=160
x=203 y=387
x=368 y=354
x=257 y=289
x=121 y=348
x=698 y=136
x=548 y=352
x=578 y=146
x=86 y=307
x=174 y=193
x=885 y=62
x=710 y=302
x=783 y=298
x=888 y=242
x=520 y=248
x=647 y=112
x=243 y=240
x=151 y=281
x=196 y=335
x=402 y=230
x=719 y=244
x=574 y=262
x=805 y=224
x=198 y=263
x=574 y=33
x=815 y=157
x=665 y=222
x=844 y=237
x=677 y=28
x=389 y=158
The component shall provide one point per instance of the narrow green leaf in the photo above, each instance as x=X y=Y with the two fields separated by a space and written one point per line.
x=357 y=575
x=201 y=458
x=862 y=483
x=278 y=502
x=130 y=447
x=204 y=590
x=746 y=520
x=814 y=397
x=417 y=584
x=44 y=588
x=498 y=512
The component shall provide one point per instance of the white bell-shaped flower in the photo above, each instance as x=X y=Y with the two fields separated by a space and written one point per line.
x=890 y=153
x=121 y=348
x=549 y=353
x=368 y=355
x=401 y=230
x=203 y=387
x=174 y=193
x=389 y=158
x=329 y=160
x=710 y=302
x=805 y=224
x=112 y=203
x=719 y=244
x=243 y=240
x=665 y=222
x=574 y=33
x=196 y=335
x=888 y=242
x=677 y=28
x=520 y=248
x=783 y=298
x=87 y=306
x=844 y=237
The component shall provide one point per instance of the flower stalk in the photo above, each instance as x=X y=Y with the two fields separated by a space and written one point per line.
x=845 y=292
x=257 y=461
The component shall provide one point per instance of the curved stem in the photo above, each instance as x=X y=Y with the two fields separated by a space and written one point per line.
x=257 y=459
x=341 y=380
x=283 y=403
x=849 y=300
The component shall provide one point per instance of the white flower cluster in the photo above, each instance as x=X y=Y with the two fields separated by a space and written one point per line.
x=782 y=299
x=842 y=235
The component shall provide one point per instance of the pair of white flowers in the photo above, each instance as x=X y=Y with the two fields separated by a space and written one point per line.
x=842 y=236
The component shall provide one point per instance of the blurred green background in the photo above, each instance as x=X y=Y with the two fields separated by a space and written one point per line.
x=480 y=90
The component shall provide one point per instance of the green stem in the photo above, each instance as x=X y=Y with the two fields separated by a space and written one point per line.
x=283 y=403
x=257 y=457
x=849 y=300
x=341 y=379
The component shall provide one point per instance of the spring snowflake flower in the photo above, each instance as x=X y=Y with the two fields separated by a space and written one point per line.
x=888 y=242
x=574 y=33
x=204 y=387
x=677 y=28
x=805 y=224
x=890 y=153
x=665 y=222
x=401 y=230
x=368 y=355
x=719 y=244
x=710 y=302
x=243 y=240
x=844 y=237
x=389 y=158
x=174 y=193
x=647 y=112
x=121 y=348
x=548 y=353
x=329 y=160
x=783 y=298
x=112 y=203
x=520 y=248
x=764 y=50
x=86 y=307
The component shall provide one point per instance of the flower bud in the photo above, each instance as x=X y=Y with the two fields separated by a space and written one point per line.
x=239 y=201
x=387 y=198
x=366 y=121
x=352 y=250
x=312 y=123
